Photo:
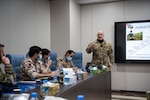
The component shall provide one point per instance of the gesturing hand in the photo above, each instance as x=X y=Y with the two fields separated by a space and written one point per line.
x=49 y=63
x=92 y=46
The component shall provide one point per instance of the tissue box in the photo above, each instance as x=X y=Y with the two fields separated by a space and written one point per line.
x=49 y=90
x=73 y=79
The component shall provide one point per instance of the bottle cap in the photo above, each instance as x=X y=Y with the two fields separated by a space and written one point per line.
x=45 y=81
x=66 y=73
x=34 y=94
x=80 y=97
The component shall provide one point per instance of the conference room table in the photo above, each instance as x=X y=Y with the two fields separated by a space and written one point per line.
x=93 y=87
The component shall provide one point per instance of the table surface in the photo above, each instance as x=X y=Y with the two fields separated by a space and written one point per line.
x=93 y=87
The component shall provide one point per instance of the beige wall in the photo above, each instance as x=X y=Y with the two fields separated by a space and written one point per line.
x=60 y=36
x=65 y=26
x=75 y=36
x=24 y=23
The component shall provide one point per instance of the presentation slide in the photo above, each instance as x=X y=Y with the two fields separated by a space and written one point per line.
x=138 y=41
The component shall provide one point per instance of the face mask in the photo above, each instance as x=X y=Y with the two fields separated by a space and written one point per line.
x=39 y=58
x=49 y=58
x=69 y=58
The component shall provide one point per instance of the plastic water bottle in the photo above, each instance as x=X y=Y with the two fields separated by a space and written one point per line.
x=80 y=97
x=66 y=79
x=61 y=76
x=34 y=96
x=91 y=70
x=45 y=88
x=57 y=71
x=79 y=74
x=55 y=80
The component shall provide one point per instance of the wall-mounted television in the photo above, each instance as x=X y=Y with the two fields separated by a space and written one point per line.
x=132 y=41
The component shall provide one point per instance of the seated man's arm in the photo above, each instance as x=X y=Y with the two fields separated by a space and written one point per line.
x=74 y=67
x=10 y=74
x=43 y=68
x=39 y=75
x=31 y=71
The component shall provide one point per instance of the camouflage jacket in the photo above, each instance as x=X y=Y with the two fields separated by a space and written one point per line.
x=28 y=70
x=62 y=62
x=41 y=67
x=102 y=53
x=9 y=76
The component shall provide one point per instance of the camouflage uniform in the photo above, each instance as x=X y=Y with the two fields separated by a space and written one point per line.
x=62 y=62
x=9 y=76
x=41 y=67
x=102 y=53
x=27 y=70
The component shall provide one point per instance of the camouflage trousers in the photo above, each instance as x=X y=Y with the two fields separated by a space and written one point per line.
x=9 y=76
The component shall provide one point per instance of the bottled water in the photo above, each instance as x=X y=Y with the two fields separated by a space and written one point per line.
x=79 y=74
x=57 y=71
x=45 y=88
x=61 y=76
x=91 y=70
x=55 y=80
x=66 y=79
x=34 y=96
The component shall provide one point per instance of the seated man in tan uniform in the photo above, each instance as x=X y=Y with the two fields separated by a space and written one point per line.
x=8 y=76
x=44 y=63
x=66 y=61
x=28 y=70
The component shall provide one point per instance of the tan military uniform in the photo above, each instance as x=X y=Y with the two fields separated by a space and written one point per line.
x=102 y=53
x=9 y=76
x=41 y=67
x=27 y=70
x=62 y=62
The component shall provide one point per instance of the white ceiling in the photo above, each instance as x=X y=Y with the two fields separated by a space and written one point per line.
x=94 y=1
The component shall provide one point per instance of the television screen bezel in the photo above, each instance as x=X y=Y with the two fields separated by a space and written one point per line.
x=116 y=42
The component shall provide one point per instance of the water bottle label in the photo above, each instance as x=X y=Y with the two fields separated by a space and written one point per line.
x=91 y=70
x=45 y=91
x=79 y=75
x=67 y=79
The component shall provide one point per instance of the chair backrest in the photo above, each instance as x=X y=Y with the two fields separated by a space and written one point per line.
x=77 y=59
x=15 y=60
x=53 y=56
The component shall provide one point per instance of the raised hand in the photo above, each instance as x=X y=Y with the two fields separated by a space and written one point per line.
x=5 y=60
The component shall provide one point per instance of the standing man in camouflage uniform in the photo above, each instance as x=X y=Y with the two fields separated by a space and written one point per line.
x=9 y=75
x=28 y=70
x=102 y=51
